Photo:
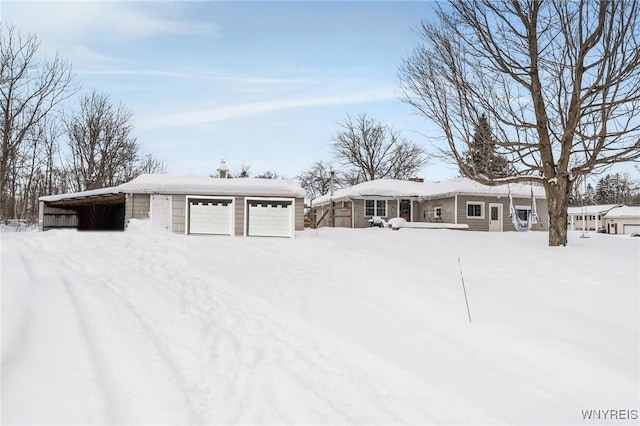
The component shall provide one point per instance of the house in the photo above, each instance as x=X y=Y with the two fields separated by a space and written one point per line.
x=183 y=204
x=622 y=220
x=457 y=201
x=588 y=218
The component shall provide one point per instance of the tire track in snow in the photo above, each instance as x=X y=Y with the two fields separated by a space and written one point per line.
x=161 y=349
x=96 y=356
x=236 y=347
x=20 y=337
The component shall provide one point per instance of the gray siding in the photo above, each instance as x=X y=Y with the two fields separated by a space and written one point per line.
x=56 y=217
x=178 y=216
x=427 y=210
x=137 y=206
x=482 y=224
x=239 y=215
x=299 y=214
x=479 y=224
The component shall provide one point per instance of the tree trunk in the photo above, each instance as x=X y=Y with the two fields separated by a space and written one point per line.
x=557 y=202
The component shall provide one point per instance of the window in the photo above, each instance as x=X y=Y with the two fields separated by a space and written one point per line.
x=475 y=210
x=437 y=213
x=375 y=208
x=523 y=214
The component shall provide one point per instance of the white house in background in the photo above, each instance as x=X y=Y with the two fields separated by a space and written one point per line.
x=457 y=201
x=588 y=218
x=622 y=220
x=184 y=204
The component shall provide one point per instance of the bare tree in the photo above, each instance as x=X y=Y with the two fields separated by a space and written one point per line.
x=559 y=79
x=30 y=90
x=148 y=164
x=268 y=175
x=371 y=150
x=317 y=179
x=103 y=151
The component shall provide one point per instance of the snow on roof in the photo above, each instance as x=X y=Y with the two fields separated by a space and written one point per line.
x=402 y=188
x=195 y=185
x=595 y=209
x=624 y=212
x=83 y=194
x=202 y=185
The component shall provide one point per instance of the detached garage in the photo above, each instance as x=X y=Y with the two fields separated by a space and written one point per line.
x=622 y=220
x=191 y=205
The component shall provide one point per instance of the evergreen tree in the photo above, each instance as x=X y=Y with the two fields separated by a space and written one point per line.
x=615 y=189
x=482 y=156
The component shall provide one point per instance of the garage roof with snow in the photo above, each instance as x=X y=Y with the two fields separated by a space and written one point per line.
x=193 y=185
x=199 y=185
x=632 y=212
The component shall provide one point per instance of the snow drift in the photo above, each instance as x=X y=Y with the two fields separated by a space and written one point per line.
x=337 y=326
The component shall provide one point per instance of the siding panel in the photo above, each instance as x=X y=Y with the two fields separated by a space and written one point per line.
x=241 y=205
x=178 y=213
x=299 y=214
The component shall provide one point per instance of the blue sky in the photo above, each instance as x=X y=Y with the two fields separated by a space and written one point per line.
x=258 y=83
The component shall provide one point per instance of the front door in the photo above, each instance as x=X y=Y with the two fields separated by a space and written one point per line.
x=495 y=217
x=405 y=210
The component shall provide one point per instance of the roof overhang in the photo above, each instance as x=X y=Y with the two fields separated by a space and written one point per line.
x=78 y=201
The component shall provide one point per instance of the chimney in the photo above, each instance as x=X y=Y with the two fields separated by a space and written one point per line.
x=223 y=172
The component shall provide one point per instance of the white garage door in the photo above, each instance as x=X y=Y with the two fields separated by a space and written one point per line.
x=210 y=216
x=270 y=218
x=630 y=229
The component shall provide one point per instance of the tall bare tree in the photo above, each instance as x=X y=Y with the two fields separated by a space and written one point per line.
x=30 y=90
x=317 y=179
x=103 y=151
x=370 y=150
x=560 y=80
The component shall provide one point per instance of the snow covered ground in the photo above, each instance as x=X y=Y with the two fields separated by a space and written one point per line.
x=337 y=326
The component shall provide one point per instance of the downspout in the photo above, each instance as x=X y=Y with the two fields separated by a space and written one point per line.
x=455 y=209
x=353 y=213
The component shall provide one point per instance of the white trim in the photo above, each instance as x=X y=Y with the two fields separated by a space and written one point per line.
x=434 y=212
x=375 y=207
x=187 y=214
x=482 y=209
x=500 y=215
x=292 y=218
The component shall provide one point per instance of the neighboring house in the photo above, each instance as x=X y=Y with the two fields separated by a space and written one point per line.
x=622 y=220
x=588 y=218
x=457 y=201
x=184 y=204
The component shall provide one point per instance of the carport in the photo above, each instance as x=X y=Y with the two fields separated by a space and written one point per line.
x=99 y=210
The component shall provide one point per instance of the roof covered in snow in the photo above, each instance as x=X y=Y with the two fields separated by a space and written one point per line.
x=624 y=212
x=201 y=185
x=400 y=188
x=84 y=194
x=595 y=209
x=195 y=185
